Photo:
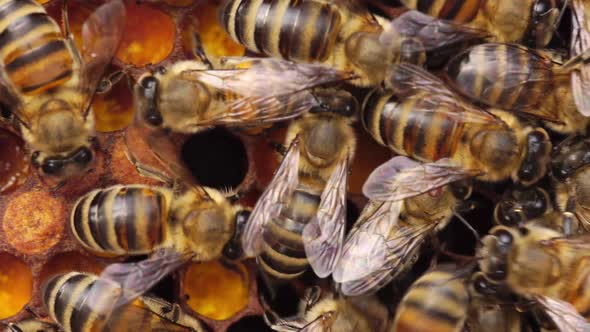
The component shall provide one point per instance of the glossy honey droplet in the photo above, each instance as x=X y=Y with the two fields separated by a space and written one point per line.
x=14 y=161
x=113 y=110
x=16 y=285
x=216 y=291
x=216 y=41
x=149 y=35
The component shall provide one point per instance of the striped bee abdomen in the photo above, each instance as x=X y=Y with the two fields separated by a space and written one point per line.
x=456 y=10
x=121 y=220
x=502 y=75
x=81 y=302
x=34 y=53
x=413 y=127
x=283 y=254
x=295 y=30
x=438 y=301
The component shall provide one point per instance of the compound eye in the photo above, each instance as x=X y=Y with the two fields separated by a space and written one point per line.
x=542 y=6
x=83 y=156
x=52 y=167
x=155 y=119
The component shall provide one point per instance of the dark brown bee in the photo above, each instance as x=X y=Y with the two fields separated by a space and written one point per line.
x=517 y=79
x=531 y=22
x=423 y=119
x=341 y=34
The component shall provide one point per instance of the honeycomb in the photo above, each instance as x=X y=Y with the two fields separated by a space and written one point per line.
x=35 y=242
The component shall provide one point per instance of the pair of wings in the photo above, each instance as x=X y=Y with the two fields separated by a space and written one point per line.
x=101 y=35
x=323 y=235
x=259 y=91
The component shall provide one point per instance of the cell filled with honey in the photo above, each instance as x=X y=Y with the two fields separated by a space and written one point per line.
x=16 y=285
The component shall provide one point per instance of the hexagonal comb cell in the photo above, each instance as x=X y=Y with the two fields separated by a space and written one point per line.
x=16 y=285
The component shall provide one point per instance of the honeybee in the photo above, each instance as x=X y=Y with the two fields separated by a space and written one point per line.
x=83 y=302
x=343 y=34
x=423 y=119
x=518 y=79
x=522 y=205
x=190 y=96
x=541 y=265
x=386 y=239
x=570 y=165
x=31 y=325
x=437 y=301
x=330 y=313
x=175 y=223
x=49 y=83
x=300 y=218
x=531 y=22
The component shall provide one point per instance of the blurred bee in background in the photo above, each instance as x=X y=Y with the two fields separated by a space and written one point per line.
x=174 y=224
x=522 y=205
x=420 y=117
x=331 y=313
x=543 y=266
x=571 y=172
x=300 y=218
x=531 y=22
x=48 y=83
x=81 y=302
x=521 y=80
x=437 y=301
x=342 y=34
x=190 y=96
x=31 y=325
x=387 y=237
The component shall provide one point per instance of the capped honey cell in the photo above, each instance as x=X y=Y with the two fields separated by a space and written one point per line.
x=16 y=285
x=216 y=291
x=14 y=161
x=34 y=222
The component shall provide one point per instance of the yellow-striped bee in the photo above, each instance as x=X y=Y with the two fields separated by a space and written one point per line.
x=175 y=223
x=48 y=83
x=437 y=301
x=570 y=169
x=341 y=34
x=81 y=302
x=423 y=119
x=327 y=313
x=386 y=239
x=31 y=325
x=542 y=265
x=190 y=96
x=531 y=22
x=518 y=79
x=300 y=218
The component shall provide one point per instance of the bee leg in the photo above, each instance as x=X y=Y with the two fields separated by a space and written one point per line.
x=199 y=51
x=311 y=297
x=570 y=225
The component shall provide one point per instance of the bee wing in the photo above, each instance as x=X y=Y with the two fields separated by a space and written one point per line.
x=413 y=82
x=271 y=201
x=432 y=33
x=581 y=43
x=372 y=256
x=401 y=177
x=266 y=91
x=364 y=249
x=171 y=312
x=101 y=34
x=563 y=315
x=323 y=236
x=136 y=279
x=135 y=317
x=506 y=67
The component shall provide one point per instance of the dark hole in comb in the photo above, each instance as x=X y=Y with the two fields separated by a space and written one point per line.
x=285 y=301
x=216 y=158
x=249 y=324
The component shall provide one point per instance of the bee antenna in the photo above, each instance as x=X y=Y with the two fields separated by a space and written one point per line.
x=469 y=227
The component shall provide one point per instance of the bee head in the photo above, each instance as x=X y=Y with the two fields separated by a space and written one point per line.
x=543 y=22
x=568 y=158
x=63 y=166
x=146 y=99
x=233 y=249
